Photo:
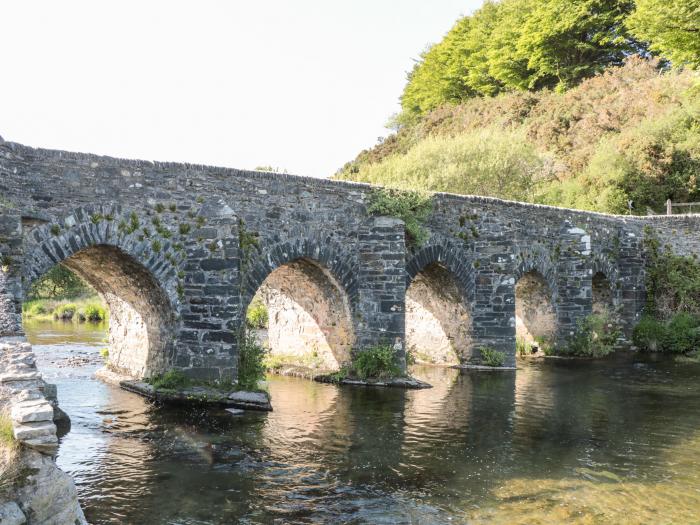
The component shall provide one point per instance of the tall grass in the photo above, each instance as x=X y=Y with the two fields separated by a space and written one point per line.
x=8 y=454
x=75 y=310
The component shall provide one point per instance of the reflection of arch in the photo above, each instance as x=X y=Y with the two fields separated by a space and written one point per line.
x=309 y=306
x=438 y=303
x=138 y=281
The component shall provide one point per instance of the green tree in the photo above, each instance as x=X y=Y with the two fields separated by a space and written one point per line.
x=566 y=41
x=672 y=28
x=59 y=283
x=522 y=45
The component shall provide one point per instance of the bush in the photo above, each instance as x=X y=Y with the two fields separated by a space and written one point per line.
x=378 y=362
x=35 y=308
x=596 y=336
x=649 y=334
x=95 y=312
x=679 y=335
x=682 y=334
x=65 y=311
x=257 y=315
x=251 y=363
x=412 y=207
x=491 y=357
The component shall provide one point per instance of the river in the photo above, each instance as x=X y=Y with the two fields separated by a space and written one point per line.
x=557 y=441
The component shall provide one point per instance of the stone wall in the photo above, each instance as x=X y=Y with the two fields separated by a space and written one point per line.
x=195 y=243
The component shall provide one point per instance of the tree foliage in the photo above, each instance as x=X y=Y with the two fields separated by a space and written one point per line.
x=59 y=283
x=671 y=26
x=523 y=45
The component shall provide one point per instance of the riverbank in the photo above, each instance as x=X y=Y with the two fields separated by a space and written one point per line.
x=76 y=309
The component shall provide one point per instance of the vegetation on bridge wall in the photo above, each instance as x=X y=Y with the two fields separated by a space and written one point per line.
x=672 y=315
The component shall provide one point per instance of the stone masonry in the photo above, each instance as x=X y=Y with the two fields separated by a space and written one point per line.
x=179 y=251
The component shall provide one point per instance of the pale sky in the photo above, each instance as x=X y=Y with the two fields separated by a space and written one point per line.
x=296 y=84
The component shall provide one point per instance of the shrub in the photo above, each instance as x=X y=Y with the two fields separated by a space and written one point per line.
x=65 y=311
x=36 y=308
x=251 y=362
x=595 y=336
x=649 y=334
x=682 y=334
x=491 y=357
x=257 y=315
x=95 y=312
x=378 y=362
x=170 y=380
x=412 y=207
x=522 y=347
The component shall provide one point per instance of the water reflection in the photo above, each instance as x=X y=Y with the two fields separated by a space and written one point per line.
x=557 y=441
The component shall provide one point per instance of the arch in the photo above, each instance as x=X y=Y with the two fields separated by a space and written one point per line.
x=136 y=277
x=439 y=292
x=535 y=293
x=306 y=287
x=319 y=248
x=602 y=294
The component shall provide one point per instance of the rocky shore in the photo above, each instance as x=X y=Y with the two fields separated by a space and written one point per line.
x=36 y=492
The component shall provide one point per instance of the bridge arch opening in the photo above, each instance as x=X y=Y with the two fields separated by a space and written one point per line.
x=603 y=299
x=142 y=323
x=302 y=314
x=438 y=323
x=535 y=316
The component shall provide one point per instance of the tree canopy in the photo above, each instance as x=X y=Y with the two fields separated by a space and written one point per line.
x=534 y=44
x=671 y=26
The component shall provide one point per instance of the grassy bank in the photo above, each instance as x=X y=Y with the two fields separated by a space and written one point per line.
x=76 y=309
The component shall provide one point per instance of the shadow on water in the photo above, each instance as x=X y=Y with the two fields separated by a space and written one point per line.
x=555 y=441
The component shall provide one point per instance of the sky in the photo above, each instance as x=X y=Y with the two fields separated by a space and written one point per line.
x=301 y=85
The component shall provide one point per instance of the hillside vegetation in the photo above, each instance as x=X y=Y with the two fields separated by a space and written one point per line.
x=583 y=103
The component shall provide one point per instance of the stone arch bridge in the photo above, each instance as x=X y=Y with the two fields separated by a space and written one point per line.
x=179 y=251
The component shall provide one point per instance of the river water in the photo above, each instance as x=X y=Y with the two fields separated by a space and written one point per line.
x=557 y=441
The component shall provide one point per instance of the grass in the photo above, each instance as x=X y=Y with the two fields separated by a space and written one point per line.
x=8 y=454
x=80 y=309
x=377 y=362
x=491 y=357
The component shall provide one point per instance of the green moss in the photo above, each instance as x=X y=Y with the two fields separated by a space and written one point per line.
x=55 y=229
x=156 y=245
x=96 y=218
x=159 y=208
x=183 y=228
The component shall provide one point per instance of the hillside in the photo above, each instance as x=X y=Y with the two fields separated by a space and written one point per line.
x=621 y=127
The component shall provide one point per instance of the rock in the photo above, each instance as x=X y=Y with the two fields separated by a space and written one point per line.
x=48 y=494
x=46 y=444
x=8 y=377
x=235 y=411
x=29 y=411
x=11 y=514
x=253 y=400
x=36 y=430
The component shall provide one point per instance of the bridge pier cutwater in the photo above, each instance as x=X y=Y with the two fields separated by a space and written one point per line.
x=178 y=251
